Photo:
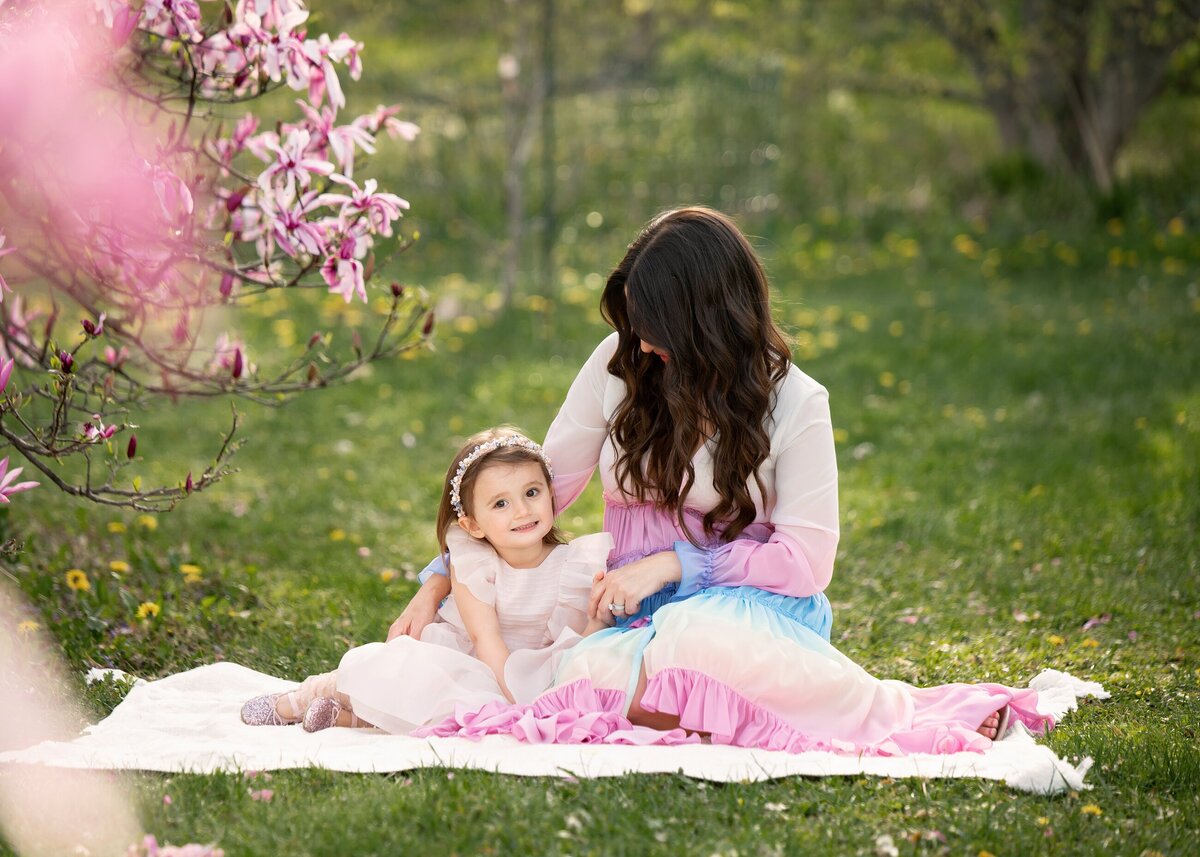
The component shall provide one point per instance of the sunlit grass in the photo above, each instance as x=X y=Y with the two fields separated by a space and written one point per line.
x=1019 y=470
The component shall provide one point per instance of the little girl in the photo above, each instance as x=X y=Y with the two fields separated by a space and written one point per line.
x=520 y=598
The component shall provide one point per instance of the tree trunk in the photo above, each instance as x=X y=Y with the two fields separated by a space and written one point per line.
x=1069 y=85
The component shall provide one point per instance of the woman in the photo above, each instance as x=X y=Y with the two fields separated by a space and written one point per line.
x=720 y=483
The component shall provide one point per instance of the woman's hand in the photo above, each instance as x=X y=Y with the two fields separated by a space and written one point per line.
x=631 y=583
x=422 y=609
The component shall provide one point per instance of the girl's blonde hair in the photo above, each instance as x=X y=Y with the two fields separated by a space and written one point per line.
x=447 y=517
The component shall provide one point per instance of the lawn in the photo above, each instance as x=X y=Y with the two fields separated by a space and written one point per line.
x=1020 y=484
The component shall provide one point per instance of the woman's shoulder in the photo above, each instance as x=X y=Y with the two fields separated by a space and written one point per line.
x=798 y=388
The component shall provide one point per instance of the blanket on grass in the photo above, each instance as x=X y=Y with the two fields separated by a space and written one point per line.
x=189 y=722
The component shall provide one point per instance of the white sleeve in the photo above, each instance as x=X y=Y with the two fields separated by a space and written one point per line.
x=578 y=432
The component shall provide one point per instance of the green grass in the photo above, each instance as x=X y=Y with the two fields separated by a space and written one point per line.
x=1019 y=451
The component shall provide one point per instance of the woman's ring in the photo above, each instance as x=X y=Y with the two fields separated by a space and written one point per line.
x=616 y=608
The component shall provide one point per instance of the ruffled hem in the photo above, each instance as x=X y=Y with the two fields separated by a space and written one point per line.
x=703 y=704
x=576 y=713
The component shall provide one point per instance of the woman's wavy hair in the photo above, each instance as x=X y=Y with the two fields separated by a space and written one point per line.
x=447 y=517
x=691 y=285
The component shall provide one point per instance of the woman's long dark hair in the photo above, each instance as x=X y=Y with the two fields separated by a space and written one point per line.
x=691 y=285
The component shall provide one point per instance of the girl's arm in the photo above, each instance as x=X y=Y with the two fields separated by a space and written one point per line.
x=483 y=625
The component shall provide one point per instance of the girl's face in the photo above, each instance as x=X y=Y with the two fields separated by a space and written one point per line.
x=511 y=507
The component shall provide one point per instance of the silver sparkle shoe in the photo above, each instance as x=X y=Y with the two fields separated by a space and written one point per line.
x=323 y=712
x=261 y=711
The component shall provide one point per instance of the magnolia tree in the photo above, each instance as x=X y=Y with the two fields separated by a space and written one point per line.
x=140 y=204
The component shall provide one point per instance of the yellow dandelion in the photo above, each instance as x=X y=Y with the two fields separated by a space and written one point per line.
x=828 y=339
x=1017 y=545
x=986 y=853
x=1037 y=490
x=860 y=322
x=1084 y=327
x=116 y=527
x=1055 y=640
x=1091 y=809
x=1042 y=821
x=27 y=627
x=1175 y=226
x=840 y=435
x=337 y=535
x=387 y=575
x=190 y=568
x=78 y=580
x=120 y=566
x=148 y=609
x=1090 y=643
x=896 y=328
x=887 y=379
x=147 y=522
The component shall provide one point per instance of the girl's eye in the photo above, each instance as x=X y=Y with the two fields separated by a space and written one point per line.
x=500 y=504
x=533 y=492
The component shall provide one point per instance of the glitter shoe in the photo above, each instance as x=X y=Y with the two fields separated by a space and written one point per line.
x=323 y=712
x=261 y=711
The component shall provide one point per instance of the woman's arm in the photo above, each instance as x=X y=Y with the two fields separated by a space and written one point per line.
x=422 y=609
x=575 y=437
x=483 y=625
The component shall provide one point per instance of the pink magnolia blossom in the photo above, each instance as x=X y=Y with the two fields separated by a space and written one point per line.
x=97 y=431
x=227 y=354
x=94 y=328
x=6 y=368
x=289 y=224
x=344 y=273
x=322 y=52
x=115 y=358
x=7 y=488
x=341 y=139
x=293 y=164
x=174 y=17
x=385 y=118
x=379 y=209
x=17 y=332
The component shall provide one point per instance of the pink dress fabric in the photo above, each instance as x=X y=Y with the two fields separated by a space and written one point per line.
x=740 y=649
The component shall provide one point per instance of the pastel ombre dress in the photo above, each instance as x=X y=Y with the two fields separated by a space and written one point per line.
x=407 y=682
x=739 y=648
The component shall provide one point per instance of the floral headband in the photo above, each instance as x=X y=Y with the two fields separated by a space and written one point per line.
x=482 y=450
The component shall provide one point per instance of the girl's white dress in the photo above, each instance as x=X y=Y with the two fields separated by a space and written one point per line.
x=407 y=683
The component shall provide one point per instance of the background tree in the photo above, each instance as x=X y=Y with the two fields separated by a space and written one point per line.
x=1067 y=81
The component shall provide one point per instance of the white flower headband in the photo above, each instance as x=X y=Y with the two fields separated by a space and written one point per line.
x=482 y=450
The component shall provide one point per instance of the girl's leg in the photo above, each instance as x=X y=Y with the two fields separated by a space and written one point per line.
x=291 y=706
x=283 y=709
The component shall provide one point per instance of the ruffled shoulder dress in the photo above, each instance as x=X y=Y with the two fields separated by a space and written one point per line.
x=407 y=683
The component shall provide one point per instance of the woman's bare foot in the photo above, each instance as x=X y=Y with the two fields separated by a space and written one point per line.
x=995 y=724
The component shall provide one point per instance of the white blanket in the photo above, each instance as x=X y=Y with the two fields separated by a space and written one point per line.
x=189 y=723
